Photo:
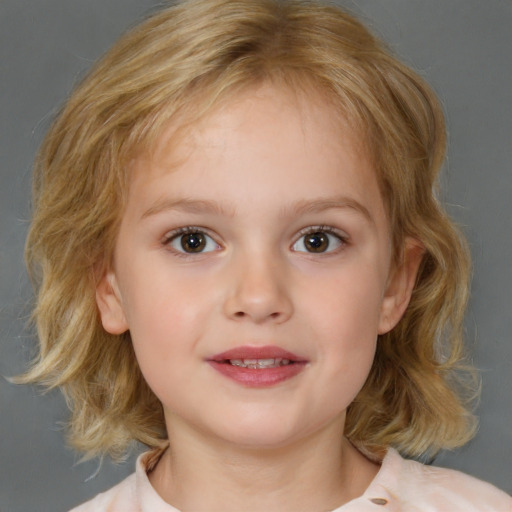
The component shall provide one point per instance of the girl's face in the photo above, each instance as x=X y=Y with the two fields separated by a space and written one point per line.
x=253 y=270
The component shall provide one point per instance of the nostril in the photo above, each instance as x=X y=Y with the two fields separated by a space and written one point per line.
x=243 y=314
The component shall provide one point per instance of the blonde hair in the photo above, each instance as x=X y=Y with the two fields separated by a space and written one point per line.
x=177 y=65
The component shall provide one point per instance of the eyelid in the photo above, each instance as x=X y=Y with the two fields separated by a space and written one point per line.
x=170 y=236
x=183 y=230
x=330 y=230
x=342 y=235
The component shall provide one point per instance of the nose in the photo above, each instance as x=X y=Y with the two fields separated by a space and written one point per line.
x=259 y=291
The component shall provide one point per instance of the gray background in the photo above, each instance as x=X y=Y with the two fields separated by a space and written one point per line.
x=462 y=47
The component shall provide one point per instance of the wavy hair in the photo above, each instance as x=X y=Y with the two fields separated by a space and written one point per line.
x=176 y=66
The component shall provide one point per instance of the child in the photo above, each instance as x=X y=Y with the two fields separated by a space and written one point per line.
x=242 y=264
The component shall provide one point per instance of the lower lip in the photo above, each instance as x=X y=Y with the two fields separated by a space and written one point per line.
x=261 y=377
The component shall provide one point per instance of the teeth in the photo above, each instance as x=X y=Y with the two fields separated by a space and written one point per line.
x=266 y=362
x=257 y=364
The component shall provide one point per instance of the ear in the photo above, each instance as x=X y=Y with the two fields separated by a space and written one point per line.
x=400 y=286
x=110 y=305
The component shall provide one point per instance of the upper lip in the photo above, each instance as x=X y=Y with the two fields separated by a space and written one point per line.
x=253 y=352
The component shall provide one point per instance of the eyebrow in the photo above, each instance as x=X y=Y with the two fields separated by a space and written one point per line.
x=329 y=203
x=205 y=206
x=188 y=206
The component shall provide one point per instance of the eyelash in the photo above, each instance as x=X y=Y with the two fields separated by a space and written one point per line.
x=173 y=235
x=329 y=230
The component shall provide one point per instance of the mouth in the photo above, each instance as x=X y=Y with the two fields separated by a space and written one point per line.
x=258 y=358
x=258 y=366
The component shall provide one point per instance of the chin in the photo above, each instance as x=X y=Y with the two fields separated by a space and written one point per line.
x=262 y=432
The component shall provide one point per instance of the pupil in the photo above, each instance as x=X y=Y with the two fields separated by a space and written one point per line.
x=193 y=242
x=317 y=242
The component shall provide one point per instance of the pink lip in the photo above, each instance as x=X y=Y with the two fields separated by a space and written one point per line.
x=262 y=377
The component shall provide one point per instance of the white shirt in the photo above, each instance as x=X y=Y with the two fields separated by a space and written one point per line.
x=400 y=486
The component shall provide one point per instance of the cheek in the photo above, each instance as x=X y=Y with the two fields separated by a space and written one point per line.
x=159 y=297
x=345 y=321
x=168 y=312
x=348 y=304
x=164 y=320
x=163 y=337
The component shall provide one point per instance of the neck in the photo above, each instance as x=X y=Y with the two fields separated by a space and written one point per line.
x=320 y=472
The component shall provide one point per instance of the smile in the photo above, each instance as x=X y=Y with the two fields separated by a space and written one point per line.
x=258 y=366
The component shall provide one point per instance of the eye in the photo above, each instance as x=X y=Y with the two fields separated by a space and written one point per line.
x=318 y=241
x=192 y=241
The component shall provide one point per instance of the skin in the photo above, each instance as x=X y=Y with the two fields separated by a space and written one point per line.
x=255 y=175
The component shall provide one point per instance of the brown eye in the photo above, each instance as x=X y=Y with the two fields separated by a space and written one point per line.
x=319 y=242
x=316 y=242
x=193 y=242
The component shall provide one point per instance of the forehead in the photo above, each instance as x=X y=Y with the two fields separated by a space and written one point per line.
x=284 y=145
x=253 y=111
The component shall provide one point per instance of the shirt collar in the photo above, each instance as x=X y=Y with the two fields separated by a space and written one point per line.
x=376 y=498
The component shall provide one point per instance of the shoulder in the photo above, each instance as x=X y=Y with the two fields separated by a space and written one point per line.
x=426 y=488
x=133 y=494
x=120 y=497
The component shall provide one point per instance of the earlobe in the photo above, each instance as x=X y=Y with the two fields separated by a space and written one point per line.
x=110 y=306
x=400 y=286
